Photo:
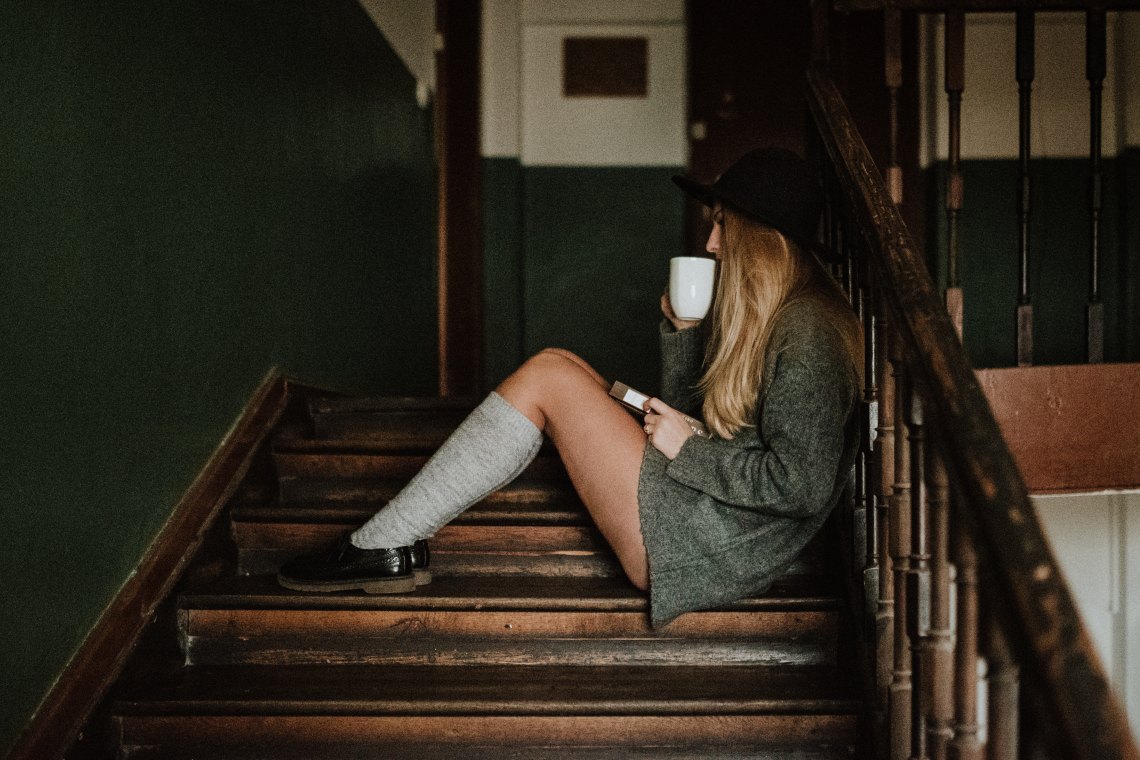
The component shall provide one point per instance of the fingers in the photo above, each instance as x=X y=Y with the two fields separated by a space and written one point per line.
x=657 y=405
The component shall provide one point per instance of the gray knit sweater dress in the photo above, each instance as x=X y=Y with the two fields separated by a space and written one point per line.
x=725 y=518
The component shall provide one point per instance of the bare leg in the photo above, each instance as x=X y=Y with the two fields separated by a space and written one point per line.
x=600 y=444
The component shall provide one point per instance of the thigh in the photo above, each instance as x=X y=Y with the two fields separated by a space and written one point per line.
x=601 y=445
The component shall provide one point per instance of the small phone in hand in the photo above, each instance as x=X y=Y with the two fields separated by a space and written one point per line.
x=635 y=401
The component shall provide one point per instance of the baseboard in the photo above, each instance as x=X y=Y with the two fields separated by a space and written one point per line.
x=100 y=659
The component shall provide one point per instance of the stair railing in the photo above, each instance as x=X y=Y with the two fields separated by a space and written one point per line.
x=956 y=579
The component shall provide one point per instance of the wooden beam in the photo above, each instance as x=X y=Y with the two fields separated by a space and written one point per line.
x=101 y=657
x=983 y=6
x=1070 y=428
x=460 y=240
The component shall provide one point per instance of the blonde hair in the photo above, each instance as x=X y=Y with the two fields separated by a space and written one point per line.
x=761 y=273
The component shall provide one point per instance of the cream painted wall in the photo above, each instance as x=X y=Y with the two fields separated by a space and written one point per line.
x=409 y=27
x=525 y=114
x=502 y=62
x=1060 y=90
x=579 y=131
x=1096 y=539
x=603 y=11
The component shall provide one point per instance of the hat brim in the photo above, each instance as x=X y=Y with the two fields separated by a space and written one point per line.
x=700 y=192
x=708 y=196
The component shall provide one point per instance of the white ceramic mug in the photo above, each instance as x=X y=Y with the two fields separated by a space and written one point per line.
x=691 y=280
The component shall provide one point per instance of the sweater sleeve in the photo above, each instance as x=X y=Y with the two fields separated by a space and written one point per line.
x=682 y=352
x=803 y=428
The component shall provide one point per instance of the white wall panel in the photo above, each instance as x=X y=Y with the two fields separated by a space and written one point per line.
x=603 y=11
x=611 y=131
x=1128 y=77
x=1060 y=91
x=1096 y=539
x=502 y=54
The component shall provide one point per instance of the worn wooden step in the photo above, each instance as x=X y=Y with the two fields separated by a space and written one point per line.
x=571 y=706
x=809 y=750
x=377 y=419
x=501 y=621
x=457 y=549
x=486 y=512
x=376 y=492
x=333 y=460
x=539 y=690
x=288 y=731
x=523 y=539
x=311 y=471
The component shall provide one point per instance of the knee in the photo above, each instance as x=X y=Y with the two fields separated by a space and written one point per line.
x=548 y=360
x=639 y=577
x=557 y=355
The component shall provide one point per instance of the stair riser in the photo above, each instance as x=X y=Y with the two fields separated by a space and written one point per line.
x=502 y=624
x=488 y=637
x=487 y=512
x=309 y=537
x=409 y=430
x=445 y=564
x=334 y=465
x=507 y=731
x=378 y=491
x=470 y=752
x=435 y=652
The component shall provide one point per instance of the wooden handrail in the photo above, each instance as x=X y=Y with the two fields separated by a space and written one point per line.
x=1045 y=627
x=984 y=6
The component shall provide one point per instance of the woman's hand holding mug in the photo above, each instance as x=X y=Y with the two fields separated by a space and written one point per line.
x=678 y=323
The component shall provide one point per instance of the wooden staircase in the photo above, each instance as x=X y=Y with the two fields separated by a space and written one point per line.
x=529 y=642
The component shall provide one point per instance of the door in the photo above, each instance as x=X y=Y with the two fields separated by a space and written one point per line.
x=746 y=76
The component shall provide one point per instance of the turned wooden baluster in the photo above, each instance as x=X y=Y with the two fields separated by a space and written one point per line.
x=955 y=65
x=892 y=66
x=1002 y=712
x=918 y=576
x=1025 y=72
x=965 y=744
x=885 y=610
x=1095 y=66
x=900 y=700
x=864 y=490
x=868 y=445
x=940 y=649
x=868 y=544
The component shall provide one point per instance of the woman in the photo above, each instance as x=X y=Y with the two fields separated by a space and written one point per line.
x=696 y=521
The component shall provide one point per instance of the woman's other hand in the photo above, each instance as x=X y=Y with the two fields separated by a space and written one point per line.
x=666 y=427
x=667 y=310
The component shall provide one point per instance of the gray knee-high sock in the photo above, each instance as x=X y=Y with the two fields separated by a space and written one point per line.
x=488 y=450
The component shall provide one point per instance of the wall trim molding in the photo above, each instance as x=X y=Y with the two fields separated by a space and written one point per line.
x=99 y=660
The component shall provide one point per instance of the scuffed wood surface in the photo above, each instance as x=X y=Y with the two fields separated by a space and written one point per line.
x=1070 y=428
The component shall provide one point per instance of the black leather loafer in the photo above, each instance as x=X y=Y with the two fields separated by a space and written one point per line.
x=344 y=567
x=421 y=558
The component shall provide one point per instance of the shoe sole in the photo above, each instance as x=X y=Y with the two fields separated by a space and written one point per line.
x=423 y=577
x=373 y=586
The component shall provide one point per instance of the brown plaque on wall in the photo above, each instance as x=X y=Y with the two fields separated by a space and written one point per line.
x=616 y=67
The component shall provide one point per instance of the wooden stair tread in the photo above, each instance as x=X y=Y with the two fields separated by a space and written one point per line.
x=493 y=690
x=774 y=751
x=495 y=593
x=390 y=404
x=394 y=442
x=485 y=512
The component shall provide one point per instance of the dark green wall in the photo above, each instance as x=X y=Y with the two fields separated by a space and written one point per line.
x=191 y=192
x=503 y=283
x=593 y=245
x=1059 y=276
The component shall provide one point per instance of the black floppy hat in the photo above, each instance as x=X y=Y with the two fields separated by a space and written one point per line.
x=769 y=185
